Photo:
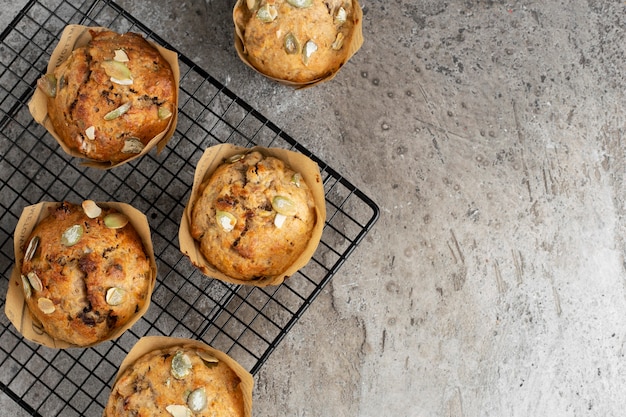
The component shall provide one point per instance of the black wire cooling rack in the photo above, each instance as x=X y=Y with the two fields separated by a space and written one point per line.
x=246 y=322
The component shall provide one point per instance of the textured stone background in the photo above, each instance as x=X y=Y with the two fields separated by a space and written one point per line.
x=492 y=135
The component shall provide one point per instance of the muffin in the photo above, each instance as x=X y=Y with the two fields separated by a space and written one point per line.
x=253 y=217
x=110 y=97
x=179 y=380
x=85 y=273
x=300 y=41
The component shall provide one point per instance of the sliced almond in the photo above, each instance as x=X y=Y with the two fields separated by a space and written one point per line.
x=132 y=145
x=31 y=249
x=279 y=220
x=115 y=220
x=206 y=356
x=178 y=410
x=127 y=81
x=120 y=56
x=46 y=305
x=90 y=132
x=341 y=16
x=34 y=281
x=91 y=209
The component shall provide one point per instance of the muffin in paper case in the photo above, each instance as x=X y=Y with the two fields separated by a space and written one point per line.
x=76 y=283
x=102 y=112
x=180 y=377
x=299 y=43
x=243 y=217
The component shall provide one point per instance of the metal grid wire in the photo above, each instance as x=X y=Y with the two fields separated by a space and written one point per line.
x=246 y=322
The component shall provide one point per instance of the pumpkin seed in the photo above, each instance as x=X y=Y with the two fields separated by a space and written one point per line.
x=164 y=112
x=309 y=48
x=115 y=296
x=132 y=145
x=120 y=56
x=48 y=84
x=178 y=410
x=338 y=43
x=31 y=249
x=251 y=4
x=207 y=358
x=284 y=205
x=197 y=400
x=115 y=220
x=295 y=179
x=72 y=235
x=300 y=4
x=292 y=46
x=114 y=114
x=341 y=16
x=118 y=72
x=226 y=220
x=26 y=285
x=181 y=365
x=91 y=209
x=34 y=281
x=267 y=13
x=90 y=132
x=46 y=305
x=279 y=220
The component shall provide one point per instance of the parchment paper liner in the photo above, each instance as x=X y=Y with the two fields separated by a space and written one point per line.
x=148 y=344
x=16 y=308
x=76 y=36
x=208 y=163
x=355 y=44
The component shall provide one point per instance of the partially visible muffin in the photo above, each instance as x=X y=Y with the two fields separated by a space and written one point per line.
x=111 y=96
x=177 y=381
x=253 y=217
x=85 y=273
x=300 y=41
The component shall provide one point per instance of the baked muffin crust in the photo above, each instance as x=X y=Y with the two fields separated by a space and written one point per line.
x=254 y=217
x=84 y=277
x=111 y=96
x=175 y=381
x=299 y=41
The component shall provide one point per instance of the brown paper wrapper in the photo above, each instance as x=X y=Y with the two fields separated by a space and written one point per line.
x=208 y=163
x=148 y=344
x=16 y=308
x=76 y=36
x=355 y=44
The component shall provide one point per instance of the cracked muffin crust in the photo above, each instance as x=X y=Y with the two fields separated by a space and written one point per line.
x=253 y=217
x=83 y=277
x=177 y=381
x=111 y=96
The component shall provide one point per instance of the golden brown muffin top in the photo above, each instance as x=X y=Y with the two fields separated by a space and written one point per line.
x=254 y=217
x=296 y=40
x=177 y=381
x=84 y=277
x=111 y=96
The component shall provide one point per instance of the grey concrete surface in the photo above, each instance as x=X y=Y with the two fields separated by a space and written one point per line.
x=492 y=135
